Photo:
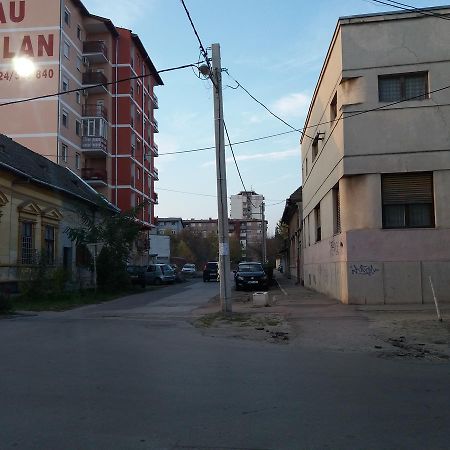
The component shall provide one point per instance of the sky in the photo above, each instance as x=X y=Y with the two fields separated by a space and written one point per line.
x=275 y=49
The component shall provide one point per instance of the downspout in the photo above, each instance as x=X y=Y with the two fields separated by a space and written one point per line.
x=58 y=143
x=117 y=119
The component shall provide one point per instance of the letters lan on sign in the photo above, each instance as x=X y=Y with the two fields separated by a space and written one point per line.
x=31 y=46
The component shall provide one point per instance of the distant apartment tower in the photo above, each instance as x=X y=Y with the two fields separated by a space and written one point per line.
x=246 y=205
x=172 y=225
x=105 y=131
x=376 y=162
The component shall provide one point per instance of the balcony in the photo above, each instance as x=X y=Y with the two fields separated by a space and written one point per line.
x=155 y=149
x=95 y=111
x=95 y=51
x=95 y=177
x=154 y=198
x=94 y=145
x=93 y=77
x=154 y=100
x=155 y=174
x=154 y=124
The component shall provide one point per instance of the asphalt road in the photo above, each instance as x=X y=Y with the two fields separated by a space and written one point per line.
x=135 y=374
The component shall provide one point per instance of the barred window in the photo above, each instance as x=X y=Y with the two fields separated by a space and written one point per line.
x=27 y=243
x=407 y=86
x=408 y=200
x=49 y=244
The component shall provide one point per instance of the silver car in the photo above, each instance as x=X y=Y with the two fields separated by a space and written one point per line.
x=159 y=274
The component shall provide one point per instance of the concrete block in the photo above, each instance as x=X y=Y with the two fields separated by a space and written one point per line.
x=261 y=299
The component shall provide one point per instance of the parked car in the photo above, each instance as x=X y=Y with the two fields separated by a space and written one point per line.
x=159 y=274
x=189 y=269
x=250 y=275
x=136 y=274
x=211 y=271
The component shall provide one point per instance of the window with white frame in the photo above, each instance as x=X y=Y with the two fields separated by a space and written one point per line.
x=79 y=32
x=66 y=49
x=67 y=16
x=64 y=152
x=77 y=161
x=78 y=128
x=65 y=118
x=78 y=97
x=65 y=84
x=79 y=63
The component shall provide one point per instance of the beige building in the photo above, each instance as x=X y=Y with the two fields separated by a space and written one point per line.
x=376 y=214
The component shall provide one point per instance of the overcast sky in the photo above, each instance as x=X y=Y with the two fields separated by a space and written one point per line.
x=273 y=48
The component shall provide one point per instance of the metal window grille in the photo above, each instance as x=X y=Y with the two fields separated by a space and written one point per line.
x=398 y=87
x=27 y=250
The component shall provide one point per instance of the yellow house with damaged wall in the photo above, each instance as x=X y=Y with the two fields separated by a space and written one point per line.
x=39 y=200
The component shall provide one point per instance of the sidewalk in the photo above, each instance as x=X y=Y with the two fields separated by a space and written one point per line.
x=311 y=320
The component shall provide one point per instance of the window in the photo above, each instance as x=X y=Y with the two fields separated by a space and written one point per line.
x=65 y=118
x=79 y=62
x=132 y=62
x=78 y=128
x=27 y=242
x=95 y=128
x=317 y=223
x=65 y=84
x=333 y=108
x=66 y=49
x=67 y=17
x=315 y=148
x=337 y=210
x=78 y=161
x=138 y=88
x=49 y=244
x=78 y=97
x=408 y=200
x=407 y=86
x=79 y=32
x=138 y=173
x=132 y=91
x=306 y=167
x=64 y=152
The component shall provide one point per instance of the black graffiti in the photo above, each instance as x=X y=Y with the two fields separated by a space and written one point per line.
x=364 y=270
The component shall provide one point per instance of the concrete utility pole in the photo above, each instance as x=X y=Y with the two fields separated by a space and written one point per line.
x=224 y=247
x=264 y=244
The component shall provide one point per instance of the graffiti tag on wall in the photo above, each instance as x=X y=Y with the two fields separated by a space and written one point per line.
x=364 y=270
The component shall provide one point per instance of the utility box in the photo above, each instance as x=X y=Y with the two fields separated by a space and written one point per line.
x=261 y=299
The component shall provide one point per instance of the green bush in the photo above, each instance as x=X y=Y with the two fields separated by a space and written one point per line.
x=5 y=304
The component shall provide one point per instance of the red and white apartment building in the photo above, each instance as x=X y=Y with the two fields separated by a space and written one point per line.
x=105 y=133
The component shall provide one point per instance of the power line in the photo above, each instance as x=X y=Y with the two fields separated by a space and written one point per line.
x=410 y=8
x=184 y=192
x=300 y=130
x=71 y=91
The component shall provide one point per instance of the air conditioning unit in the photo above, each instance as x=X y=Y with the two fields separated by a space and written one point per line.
x=85 y=61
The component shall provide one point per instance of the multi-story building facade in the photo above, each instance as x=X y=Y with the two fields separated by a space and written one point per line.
x=104 y=130
x=173 y=225
x=246 y=205
x=376 y=164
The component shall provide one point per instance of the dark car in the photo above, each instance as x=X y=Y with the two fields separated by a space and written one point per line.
x=251 y=275
x=136 y=274
x=211 y=271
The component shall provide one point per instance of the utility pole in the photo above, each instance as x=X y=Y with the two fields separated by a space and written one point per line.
x=264 y=242
x=222 y=200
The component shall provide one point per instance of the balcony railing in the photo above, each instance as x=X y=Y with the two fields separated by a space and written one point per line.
x=94 y=77
x=155 y=197
x=155 y=173
x=95 y=48
x=95 y=144
x=94 y=175
x=155 y=149
x=154 y=100
x=95 y=111
x=154 y=123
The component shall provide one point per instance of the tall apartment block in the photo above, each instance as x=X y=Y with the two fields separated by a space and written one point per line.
x=246 y=205
x=376 y=173
x=105 y=131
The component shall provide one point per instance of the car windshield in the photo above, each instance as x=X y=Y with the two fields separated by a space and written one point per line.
x=189 y=266
x=166 y=269
x=250 y=268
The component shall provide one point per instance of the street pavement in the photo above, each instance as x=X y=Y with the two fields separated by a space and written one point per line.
x=136 y=374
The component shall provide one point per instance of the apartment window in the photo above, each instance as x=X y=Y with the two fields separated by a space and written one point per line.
x=79 y=32
x=306 y=167
x=78 y=161
x=392 y=88
x=337 y=210
x=333 y=108
x=78 y=97
x=138 y=88
x=132 y=91
x=138 y=173
x=317 y=223
x=95 y=128
x=67 y=16
x=65 y=84
x=27 y=242
x=79 y=63
x=78 y=128
x=64 y=152
x=408 y=200
x=49 y=244
x=66 y=49
x=65 y=118
x=315 y=148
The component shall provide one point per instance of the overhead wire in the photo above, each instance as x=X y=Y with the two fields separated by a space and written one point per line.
x=409 y=8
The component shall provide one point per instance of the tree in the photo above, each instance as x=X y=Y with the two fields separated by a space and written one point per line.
x=118 y=232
